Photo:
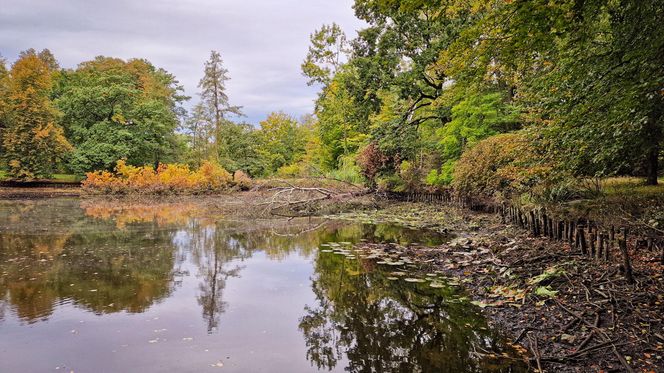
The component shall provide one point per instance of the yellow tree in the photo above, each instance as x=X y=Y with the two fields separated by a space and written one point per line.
x=33 y=143
x=4 y=93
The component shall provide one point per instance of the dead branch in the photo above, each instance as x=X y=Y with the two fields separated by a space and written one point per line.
x=295 y=201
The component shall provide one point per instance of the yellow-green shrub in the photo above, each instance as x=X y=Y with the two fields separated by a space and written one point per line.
x=502 y=166
x=167 y=178
x=292 y=170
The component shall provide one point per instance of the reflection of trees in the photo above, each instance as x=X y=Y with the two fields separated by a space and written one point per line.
x=395 y=326
x=126 y=213
x=212 y=249
x=217 y=248
x=50 y=253
x=102 y=272
x=108 y=259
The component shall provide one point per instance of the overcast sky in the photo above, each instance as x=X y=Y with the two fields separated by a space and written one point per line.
x=262 y=42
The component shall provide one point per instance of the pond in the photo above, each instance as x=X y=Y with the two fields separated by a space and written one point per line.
x=91 y=286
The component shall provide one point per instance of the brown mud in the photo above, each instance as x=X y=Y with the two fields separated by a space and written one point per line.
x=567 y=312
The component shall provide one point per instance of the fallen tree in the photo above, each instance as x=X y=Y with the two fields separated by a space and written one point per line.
x=291 y=200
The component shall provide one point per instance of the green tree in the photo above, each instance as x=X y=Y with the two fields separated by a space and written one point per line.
x=282 y=141
x=199 y=130
x=4 y=95
x=327 y=52
x=119 y=109
x=33 y=142
x=343 y=124
x=476 y=117
x=240 y=149
x=589 y=71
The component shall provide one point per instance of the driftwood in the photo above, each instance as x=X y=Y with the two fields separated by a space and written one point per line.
x=294 y=201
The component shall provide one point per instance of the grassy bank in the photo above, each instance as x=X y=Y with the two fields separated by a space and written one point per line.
x=65 y=178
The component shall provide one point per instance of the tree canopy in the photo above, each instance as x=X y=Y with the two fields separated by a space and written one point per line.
x=399 y=104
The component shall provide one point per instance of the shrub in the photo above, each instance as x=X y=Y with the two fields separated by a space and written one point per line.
x=390 y=183
x=167 y=178
x=347 y=171
x=242 y=180
x=372 y=161
x=291 y=170
x=213 y=176
x=411 y=176
x=504 y=166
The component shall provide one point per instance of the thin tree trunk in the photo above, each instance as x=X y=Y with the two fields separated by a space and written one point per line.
x=654 y=133
x=653 y=165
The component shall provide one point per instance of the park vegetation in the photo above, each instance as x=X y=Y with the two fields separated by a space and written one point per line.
x=493 y=98
x=502 y=99
x=166 y=179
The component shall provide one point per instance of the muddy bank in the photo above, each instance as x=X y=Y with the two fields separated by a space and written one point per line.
x=568 y=313
x=38 y=192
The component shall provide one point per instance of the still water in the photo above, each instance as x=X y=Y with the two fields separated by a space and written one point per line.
x=89 y=286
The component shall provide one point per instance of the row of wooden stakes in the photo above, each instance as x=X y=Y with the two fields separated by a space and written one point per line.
x=589 y=238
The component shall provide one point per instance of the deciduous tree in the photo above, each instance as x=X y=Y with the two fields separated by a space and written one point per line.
x=33 y=142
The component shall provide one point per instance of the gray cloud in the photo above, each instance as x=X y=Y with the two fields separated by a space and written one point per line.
x=262 y=42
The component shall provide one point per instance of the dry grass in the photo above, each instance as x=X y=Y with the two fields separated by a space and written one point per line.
x=313 y=182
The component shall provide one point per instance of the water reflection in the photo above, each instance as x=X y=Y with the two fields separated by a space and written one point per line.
x=127 y=259
x=382 y=325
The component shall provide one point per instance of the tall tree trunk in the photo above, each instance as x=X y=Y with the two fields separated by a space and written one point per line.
x=654 y=133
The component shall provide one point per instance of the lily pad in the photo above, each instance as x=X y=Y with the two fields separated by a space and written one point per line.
x=411 y=279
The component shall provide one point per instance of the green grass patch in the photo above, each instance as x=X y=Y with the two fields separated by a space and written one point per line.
x=67 y=178
x=630 y=186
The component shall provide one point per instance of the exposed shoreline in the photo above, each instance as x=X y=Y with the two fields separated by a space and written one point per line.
x=568 y=311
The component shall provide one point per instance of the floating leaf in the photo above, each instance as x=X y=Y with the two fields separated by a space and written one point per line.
x=546 y=291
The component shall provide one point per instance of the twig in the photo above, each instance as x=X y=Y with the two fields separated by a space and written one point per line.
x=535 y=350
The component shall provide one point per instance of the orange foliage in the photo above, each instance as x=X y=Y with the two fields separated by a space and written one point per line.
x=163 y=214
x=167 y=179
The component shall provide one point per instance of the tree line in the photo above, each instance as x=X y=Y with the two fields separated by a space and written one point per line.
x=488 y=97
x=105 y=110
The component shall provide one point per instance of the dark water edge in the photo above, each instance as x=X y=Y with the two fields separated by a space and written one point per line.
x=107 y=287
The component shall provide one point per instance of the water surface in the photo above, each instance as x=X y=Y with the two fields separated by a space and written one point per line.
x=90 y=286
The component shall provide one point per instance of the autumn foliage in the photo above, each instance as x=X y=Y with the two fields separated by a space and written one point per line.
x=166 y=179
x=502 y=166
x=33 y=142
x=371 y=161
